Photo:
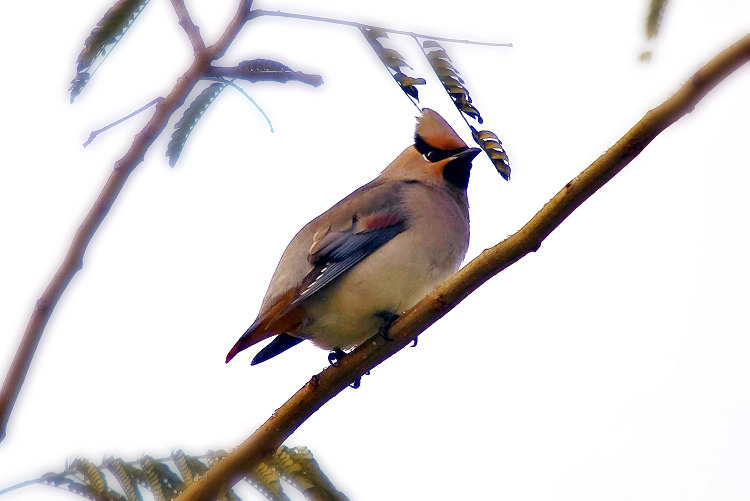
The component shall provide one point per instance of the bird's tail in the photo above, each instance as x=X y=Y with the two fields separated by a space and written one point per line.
x=250 y=337
x=282 y=317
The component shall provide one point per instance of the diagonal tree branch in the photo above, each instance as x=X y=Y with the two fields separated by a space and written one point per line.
x=333 y=380
x=218 y=49
x=73 y=260
x=191 y=30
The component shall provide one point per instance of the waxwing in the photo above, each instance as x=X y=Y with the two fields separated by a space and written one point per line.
x=352 y=270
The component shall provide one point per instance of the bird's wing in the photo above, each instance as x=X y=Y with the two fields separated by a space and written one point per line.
x=334 y=252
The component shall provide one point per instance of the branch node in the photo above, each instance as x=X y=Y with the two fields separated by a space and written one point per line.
x=42 y=305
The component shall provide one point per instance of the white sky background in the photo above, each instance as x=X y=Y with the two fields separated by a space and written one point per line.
x=611 y=364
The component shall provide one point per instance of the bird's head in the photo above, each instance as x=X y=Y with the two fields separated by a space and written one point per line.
x=438 y=154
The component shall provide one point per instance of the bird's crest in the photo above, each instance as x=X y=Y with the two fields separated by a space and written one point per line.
x=435 y=131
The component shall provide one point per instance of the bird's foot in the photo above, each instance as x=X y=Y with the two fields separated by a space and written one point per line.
x=388 y=319
x=335 y=356
x=414 y=343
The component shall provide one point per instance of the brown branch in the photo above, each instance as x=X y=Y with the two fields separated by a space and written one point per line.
x=218 y=49
x=331 y=381
x=191 y=30
x=258 y=13
x=73 y=260
x=243 y=73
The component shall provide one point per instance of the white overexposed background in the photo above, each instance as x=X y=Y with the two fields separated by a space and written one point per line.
x=611 y=364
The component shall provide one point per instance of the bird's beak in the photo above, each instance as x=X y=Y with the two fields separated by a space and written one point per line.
x=467 y=154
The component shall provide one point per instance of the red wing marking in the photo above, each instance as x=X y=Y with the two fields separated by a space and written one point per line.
x=379 y=220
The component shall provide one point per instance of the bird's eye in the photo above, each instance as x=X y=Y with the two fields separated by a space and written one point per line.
x=431 y=156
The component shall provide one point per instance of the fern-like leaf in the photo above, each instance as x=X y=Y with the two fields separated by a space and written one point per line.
x=456 y=87
x=298 y=466
x=128 y=476
x=105 y=35
x=653 y=21
x=189 y=119
x=163 y=482
x=158 y=476
x=393 y=61
x=452 y=82
x=188 y=466
x=93 y=476
x=85 y=490
x=267 y=481
x=493 y=147
x=70 y=481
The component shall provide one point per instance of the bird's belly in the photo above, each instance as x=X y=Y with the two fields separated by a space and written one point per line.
x=392 y=279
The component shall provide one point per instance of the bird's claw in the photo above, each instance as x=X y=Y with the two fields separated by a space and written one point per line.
x=357 y=381
x=335 y=356
x=388 y=319
x=414 y=343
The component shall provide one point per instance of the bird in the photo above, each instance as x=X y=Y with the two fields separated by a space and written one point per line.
x=350 y=272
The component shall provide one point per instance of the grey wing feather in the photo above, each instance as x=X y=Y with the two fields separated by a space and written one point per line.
x=344 y=251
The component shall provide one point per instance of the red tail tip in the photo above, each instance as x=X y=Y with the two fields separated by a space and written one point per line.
x=235 y=350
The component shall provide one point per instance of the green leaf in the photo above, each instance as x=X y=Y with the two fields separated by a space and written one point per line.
x=655 y=14
x=93 y=476
x=428 y=44
x=189 y=119
x=128 y=477
x=493 y=147
x=448 y=73
x=298 y=466
x=161 y=478
x=189 y=467
x=266 y=480
x=371 y=33
x=394 y=61
x=107 y=32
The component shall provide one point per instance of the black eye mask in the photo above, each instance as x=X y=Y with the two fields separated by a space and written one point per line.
x=432 y=154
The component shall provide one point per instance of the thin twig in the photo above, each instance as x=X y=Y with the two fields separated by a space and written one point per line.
x=277 y=13
x=248 y=96
x=242 y=73
x=191 y=30
x=331 y=381
x=95 y=133
x=19 y=485
x=73 y=260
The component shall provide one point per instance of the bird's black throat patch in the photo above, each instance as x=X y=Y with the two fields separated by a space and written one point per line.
x=457 y=172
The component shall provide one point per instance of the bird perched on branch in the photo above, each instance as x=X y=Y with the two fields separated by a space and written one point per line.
x=352 y=270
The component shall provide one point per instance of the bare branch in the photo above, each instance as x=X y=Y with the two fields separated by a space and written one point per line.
x=191 y=30
x=95 y=133
x=277 y=13
x=73 y=260
x=218 y=49
x=331 y=381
